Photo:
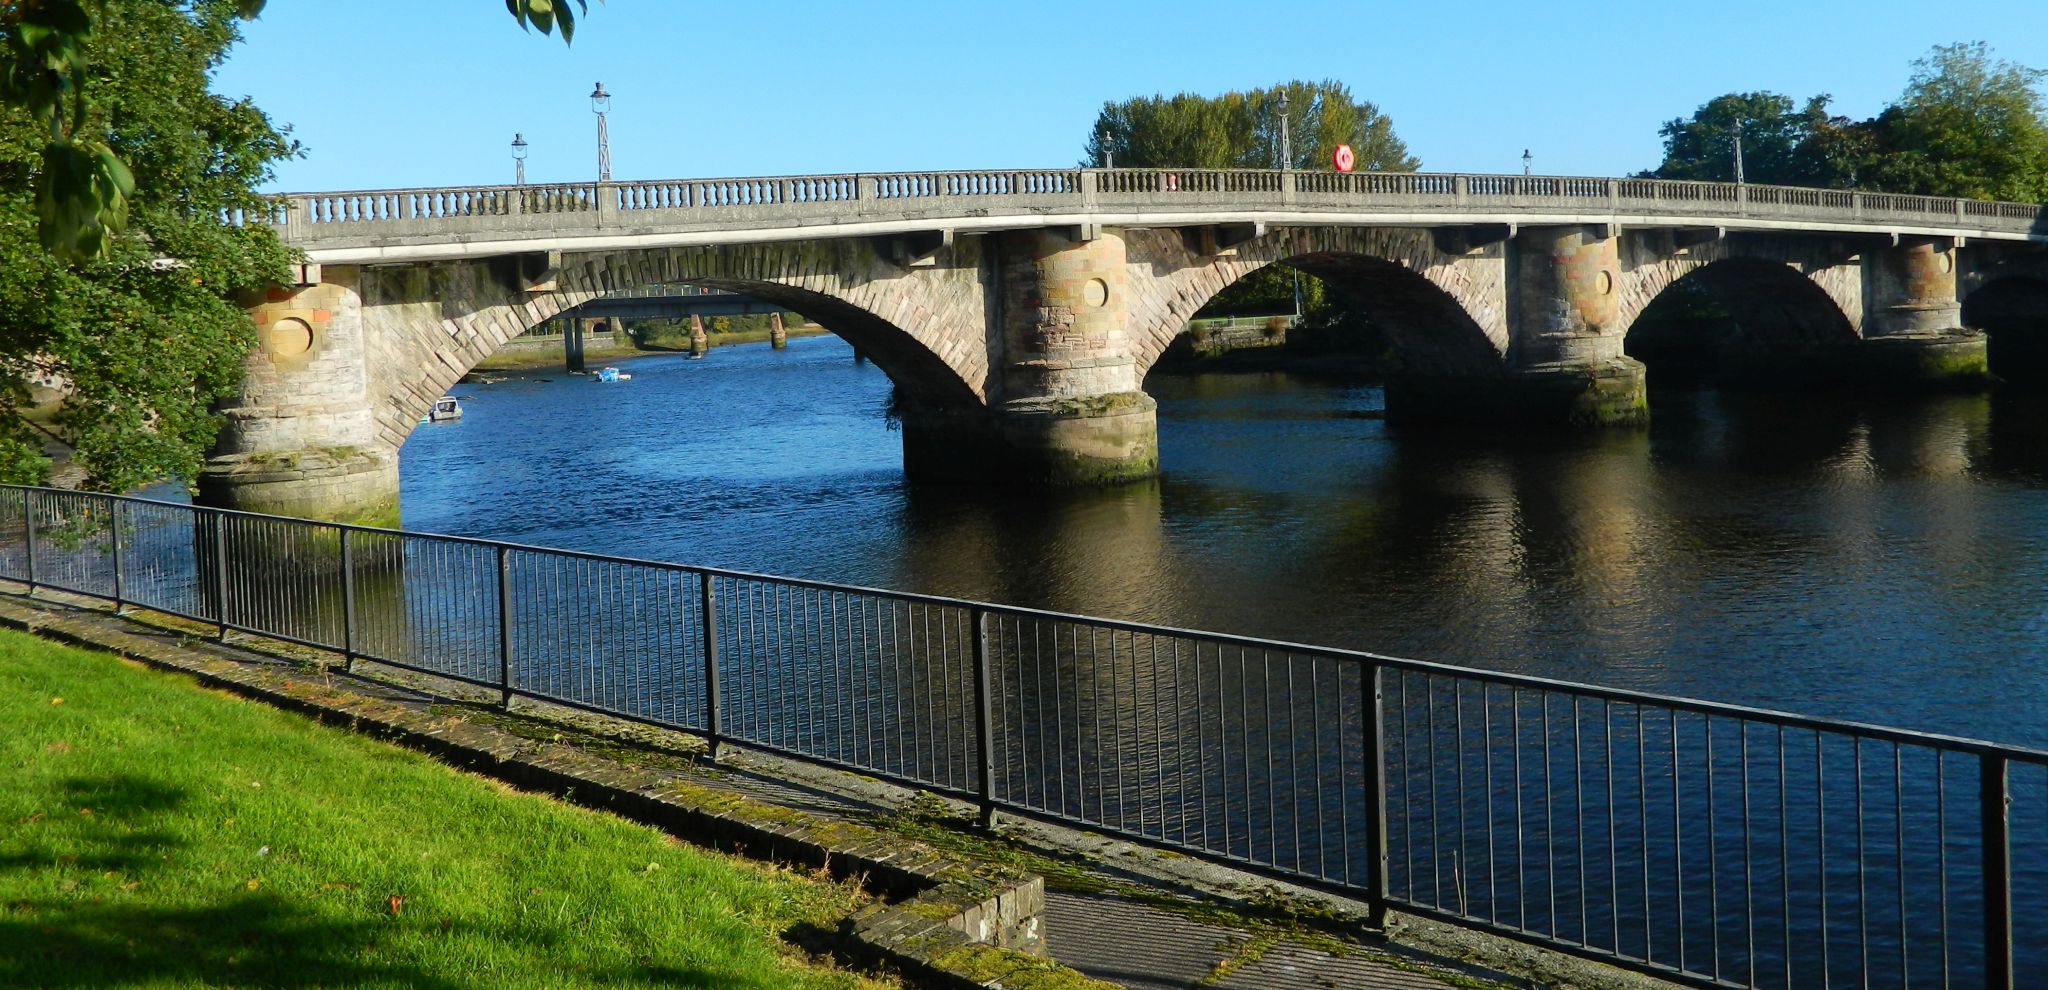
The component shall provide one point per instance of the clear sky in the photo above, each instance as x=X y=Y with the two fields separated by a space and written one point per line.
x=388 y=93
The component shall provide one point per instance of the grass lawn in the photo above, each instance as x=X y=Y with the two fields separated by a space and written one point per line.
x=156 y=834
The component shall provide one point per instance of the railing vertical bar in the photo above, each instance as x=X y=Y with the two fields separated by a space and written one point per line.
x=504 y=627
x=115 y=510
x=1374 y=713
x=984 y=722
x=220 y=572
x=28 y=526
x=714 y=721
x=348 y=602
x=1995 y=804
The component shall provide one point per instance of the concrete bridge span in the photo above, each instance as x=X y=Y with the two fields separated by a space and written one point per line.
x=1019 y=311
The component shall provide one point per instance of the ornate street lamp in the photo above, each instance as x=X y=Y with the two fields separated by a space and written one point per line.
x=1286 y=142
x=518 y=160
x=600 y=104
x=1738 y=151
x=1526 y=160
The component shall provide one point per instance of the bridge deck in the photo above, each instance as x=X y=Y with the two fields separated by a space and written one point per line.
x=474 y=221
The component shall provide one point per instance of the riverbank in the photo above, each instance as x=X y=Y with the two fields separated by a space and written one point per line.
x=516 y=358
x=164 y=835
x=1206 y=925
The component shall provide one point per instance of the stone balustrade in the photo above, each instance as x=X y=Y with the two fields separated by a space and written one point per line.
x=337 y=226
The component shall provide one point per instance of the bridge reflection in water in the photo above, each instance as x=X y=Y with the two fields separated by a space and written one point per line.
x=1710 y=842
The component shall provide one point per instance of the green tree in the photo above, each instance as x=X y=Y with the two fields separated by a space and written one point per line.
x=1968 y=125
x=1241 y=129
x=83 y=186
x=1702 y=146
x=143 y=336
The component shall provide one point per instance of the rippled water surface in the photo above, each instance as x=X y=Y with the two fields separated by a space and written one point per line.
x=1876 y=560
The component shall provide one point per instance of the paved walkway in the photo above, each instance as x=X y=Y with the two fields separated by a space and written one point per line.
x=1108 y=936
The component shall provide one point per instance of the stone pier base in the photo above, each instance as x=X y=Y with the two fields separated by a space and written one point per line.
x=1955 y=361
x=1097 y=440
x=1606 y=393
x=329 y=484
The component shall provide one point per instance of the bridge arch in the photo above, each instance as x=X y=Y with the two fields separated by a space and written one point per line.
x=1740 y=310
x=1442 y=312
x=427 y=326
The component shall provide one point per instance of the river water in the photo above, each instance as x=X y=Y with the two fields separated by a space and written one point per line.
x=1880 y=560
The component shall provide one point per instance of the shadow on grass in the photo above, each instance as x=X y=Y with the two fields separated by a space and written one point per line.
x=252 y=941
x=90 y=827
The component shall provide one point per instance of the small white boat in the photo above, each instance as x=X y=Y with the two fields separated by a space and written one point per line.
x=445 y=409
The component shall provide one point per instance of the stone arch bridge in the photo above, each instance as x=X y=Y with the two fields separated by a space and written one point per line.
x=1018 y=312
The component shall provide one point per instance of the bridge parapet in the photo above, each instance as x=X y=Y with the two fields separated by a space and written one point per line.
x=426 y=224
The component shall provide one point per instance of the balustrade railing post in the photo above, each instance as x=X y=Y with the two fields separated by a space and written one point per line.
x=984 y=723
x=114 y=521
x=504 y=628
x=28 y=532
x=1995 y=798
x=714 y=724
x=1373 y=698
x=348 y=603
x=220 y=572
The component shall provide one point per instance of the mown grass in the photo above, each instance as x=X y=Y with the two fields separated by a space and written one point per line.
x=155 y=834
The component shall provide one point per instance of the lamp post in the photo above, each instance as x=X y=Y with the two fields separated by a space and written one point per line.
x=1738 y=151
x=518 y=160
x=600 y=104
x=1286 y=142
x=1526 y=160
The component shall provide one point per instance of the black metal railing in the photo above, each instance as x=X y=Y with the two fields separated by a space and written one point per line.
x=1713 y=844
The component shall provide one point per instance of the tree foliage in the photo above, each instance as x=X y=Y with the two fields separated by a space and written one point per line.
x=142 y=336
x=1967 y=125
x=1241 y=129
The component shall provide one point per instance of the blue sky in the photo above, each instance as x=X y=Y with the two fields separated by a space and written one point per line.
x=387 y=93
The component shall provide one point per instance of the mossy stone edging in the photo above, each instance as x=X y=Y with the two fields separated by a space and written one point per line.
x=943 y=922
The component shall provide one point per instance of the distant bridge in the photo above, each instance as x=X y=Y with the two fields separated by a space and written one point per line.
x=1018 y=311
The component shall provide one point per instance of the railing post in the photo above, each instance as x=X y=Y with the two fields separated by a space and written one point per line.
x=348 y=603
x=114 y=521
x=1373 y=697
x=863 y=187
x=984 y=723
x=607 y=204
x=714 y=725
x=1995 y=798
x=28 y=527
x=1461 y=186
x=504 y=628
x=220 y=572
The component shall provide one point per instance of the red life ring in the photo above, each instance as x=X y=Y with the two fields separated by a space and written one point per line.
x=1343 y=158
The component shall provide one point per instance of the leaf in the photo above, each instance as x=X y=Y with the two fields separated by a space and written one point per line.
x=396 y=903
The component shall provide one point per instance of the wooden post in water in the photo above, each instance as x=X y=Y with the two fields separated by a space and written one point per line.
x=699 y=343
x=778 y=338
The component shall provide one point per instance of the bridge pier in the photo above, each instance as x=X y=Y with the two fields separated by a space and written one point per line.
x=700 y=342
x=301 y=439
x=1913 y=328
x=778 y=336
x=1564 y=365
x=1067 y=408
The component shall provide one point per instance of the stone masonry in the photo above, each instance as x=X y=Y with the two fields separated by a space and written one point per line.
x=1021 y=354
